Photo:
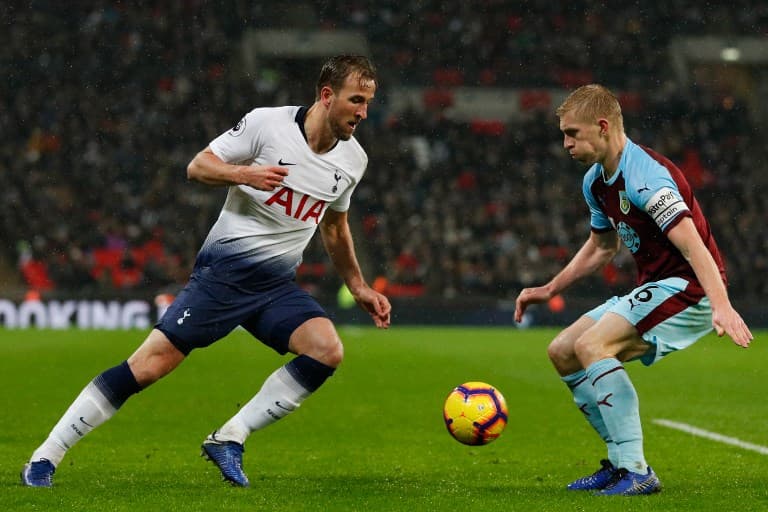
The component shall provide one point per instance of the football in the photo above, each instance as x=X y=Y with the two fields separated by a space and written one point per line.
x=475 y=413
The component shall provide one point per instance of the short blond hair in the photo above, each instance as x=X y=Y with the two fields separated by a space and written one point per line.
x=592 y=102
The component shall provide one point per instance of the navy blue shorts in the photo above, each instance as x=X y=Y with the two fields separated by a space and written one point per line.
x=206 y=310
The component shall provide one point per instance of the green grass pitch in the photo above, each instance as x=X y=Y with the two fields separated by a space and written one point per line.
x=373 y=438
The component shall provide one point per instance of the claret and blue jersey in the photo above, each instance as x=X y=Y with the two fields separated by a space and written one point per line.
x=645 y=198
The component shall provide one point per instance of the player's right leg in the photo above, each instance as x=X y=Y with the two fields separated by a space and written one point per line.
x=563 y=356
x=98 y=402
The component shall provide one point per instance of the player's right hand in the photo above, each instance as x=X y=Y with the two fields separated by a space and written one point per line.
x=529 y=296
x=263 y=177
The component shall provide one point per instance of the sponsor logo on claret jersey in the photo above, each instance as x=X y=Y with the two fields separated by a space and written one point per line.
x=629 y=236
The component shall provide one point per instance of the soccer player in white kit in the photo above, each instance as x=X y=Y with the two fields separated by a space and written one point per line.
x=638 y=197
x=289 y=171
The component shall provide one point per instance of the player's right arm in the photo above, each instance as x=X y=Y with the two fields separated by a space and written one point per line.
x=725 y=319
x=208 y=168
x=597 y=251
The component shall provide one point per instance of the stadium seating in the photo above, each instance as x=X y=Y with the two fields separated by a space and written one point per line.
x=479 y=202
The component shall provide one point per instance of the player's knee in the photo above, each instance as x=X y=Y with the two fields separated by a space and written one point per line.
x=556 y=353
x=583 y=348
x=561 y=352
x=318 y=339
x=155 y=359
x=330 y=352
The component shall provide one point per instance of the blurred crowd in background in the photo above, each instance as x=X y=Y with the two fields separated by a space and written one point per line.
x=104 y=104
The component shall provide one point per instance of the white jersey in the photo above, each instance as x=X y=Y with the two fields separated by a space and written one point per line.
x=260 y=236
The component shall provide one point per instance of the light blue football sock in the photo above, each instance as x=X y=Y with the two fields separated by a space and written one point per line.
x=584 y=397
x=618 y=404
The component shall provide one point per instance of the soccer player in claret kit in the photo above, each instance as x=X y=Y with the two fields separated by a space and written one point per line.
x=637 y=196
x=289 y=170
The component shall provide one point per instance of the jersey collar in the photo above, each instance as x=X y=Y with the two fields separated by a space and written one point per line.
x=301 y=116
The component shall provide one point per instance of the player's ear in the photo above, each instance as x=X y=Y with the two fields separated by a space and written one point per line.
x=604 y=125
x=326 y=93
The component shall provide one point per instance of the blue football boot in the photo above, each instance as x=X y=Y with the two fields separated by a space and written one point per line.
x=228 y=457
x=633 y=484
x=598 y=480
x=38 y=473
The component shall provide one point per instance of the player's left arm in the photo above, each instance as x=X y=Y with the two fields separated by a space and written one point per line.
x=337 y=239
x=725 y=319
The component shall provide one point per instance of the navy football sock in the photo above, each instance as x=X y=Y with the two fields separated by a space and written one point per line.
x=117 y=384
x=309 y=372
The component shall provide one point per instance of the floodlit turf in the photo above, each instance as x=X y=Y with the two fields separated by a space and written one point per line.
x=373 y=438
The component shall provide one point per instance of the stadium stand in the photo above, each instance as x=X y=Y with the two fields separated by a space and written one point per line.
x=102 y=114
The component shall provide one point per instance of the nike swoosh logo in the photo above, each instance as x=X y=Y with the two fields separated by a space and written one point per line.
x=280 y=162
x=85 y=422
x=281 y=406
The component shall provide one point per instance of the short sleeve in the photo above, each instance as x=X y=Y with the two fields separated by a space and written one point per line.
x=242 y=142
x=598 y=220
x=656 y=192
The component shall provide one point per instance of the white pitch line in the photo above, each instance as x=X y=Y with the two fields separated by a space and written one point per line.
x=712 y=435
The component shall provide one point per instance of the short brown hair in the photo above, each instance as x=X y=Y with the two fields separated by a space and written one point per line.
x=336 y=70
x=591 y=102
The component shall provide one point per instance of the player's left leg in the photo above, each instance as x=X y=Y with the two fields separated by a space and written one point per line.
x=601 y=350
x=319 y=351
x=294 y=323
x=649 y=323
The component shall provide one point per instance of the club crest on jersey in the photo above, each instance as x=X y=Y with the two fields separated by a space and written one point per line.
x=337 y=177
x=623 y=202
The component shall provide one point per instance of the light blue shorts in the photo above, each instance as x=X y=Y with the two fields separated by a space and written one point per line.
x=670 y=314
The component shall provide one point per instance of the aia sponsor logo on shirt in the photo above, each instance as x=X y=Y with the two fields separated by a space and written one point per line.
x=297 y=205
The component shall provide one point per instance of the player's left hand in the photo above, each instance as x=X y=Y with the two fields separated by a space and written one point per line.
x=376 y=304
x=728 y=321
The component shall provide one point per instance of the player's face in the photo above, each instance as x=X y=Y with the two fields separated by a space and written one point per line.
x=349 y=106
x=583 y=141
